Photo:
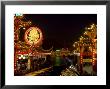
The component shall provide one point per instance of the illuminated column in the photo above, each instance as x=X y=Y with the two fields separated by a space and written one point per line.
x=81 y=60
x=15 y=60
x=29 y=63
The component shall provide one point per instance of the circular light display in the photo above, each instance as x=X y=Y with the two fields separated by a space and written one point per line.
x=33 y=36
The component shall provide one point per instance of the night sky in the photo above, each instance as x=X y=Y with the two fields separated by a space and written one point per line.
x=61 y=30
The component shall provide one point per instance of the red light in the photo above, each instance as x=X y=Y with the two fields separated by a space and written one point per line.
x=81 y=54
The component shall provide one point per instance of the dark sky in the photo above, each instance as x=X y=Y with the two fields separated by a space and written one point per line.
x=61 y=30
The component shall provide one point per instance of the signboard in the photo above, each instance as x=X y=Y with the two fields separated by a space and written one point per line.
x=87 y=60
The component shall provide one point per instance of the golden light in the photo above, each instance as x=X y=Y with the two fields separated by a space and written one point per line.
x=33 y=36
x=30 y=22
x=24 y=28
x=75 y=42
x=93 y=24
x=74 y=45
x=81 y=37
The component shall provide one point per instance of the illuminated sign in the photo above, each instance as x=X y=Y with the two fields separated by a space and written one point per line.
x=87 y=60
x=33 y=36
x=18 y=14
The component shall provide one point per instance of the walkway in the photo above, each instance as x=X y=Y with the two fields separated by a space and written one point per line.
x=38 y=72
